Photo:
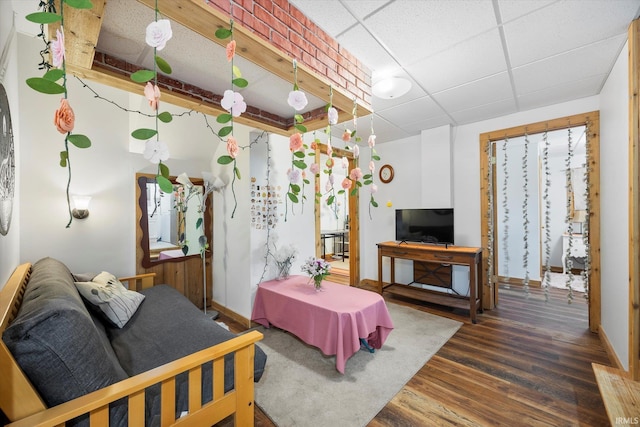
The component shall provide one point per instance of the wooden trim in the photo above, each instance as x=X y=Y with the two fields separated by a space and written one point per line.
x=634 y=200
x=613 y=357
x=619 y=394
x=140 y=281
x=231 y=314
x=18 y=397
x=592 y=120
x=354 y=215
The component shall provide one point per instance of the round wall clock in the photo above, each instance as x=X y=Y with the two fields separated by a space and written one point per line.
x=386 y=174
x=7 y=164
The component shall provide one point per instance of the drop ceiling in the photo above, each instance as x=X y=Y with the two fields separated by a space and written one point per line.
x=467 y=60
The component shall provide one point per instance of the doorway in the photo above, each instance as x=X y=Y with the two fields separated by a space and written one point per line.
x=528 y=250
x=337 y=223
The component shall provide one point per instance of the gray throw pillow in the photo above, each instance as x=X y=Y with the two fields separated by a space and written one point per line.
x=106 y=293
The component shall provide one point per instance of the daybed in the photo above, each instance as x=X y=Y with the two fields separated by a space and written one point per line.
x=58 y=352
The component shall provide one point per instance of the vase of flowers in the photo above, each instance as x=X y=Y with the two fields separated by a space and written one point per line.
x=317 y=269
x=284 y=258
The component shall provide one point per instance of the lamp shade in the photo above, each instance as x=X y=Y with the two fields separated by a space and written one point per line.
x=81 y=202
x=391 y=87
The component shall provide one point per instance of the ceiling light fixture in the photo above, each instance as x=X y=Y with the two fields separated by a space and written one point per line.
x=391 y=87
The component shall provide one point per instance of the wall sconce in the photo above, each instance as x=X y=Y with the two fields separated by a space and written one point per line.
x=81 y=206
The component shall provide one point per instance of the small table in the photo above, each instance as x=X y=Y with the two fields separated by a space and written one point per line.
x=333 y=319
x=340 y=234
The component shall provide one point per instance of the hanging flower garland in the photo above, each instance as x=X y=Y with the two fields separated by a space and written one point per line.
x=585 y=228
x=546 y=281
x=568 y=218
x=352 y=180
x=490 y=224
x=505 y=208
x=158 y=33
x=296 y=173
x=332 y=117
x=525 y=213
x=233 y=102
x=369 y=178
x=64 y=117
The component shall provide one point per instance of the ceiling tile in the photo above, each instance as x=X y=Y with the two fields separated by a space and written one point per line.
x=330 y=15
x=578 y=64
x=512 y=9
x=564 y=26
x=470 y=60
x=485 y=112
x=359 y=43
x=414 y=30
x=412 y=111
x=562 y=93
x=480 y=92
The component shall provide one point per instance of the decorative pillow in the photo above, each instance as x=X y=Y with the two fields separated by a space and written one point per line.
x=106 y=293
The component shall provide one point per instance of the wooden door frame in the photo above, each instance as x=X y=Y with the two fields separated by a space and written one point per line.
x=354 y=215
x=634 y=200
x=592 y=121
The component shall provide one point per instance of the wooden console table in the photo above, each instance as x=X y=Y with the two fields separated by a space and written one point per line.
x=455 y=255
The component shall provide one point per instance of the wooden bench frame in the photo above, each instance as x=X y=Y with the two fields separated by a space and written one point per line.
x=24 y=407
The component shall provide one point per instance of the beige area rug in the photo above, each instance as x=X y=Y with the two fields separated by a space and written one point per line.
x=559 y=280
x=301 y=386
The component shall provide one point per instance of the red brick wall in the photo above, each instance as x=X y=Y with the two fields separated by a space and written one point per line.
x=285 y=27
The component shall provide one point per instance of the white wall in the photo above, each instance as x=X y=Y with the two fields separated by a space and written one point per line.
x=614 y=207
x=106 y=171
x=10 y=244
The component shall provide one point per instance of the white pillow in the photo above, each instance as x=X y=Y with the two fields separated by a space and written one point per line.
x=106 y=293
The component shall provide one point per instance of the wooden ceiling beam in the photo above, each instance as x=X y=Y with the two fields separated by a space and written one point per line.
x=203 y=19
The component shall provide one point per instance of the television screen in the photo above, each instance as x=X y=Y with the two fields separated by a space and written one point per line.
x=424 y=225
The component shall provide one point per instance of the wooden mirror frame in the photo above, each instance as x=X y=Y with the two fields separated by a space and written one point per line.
x=143 y=254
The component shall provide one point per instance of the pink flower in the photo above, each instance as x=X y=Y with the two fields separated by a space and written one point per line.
x=372 y=141
x=233 y=102
x=356 y=151
x=330 y=162
x=329 y=148
x=156 y=151
x=372 y=166
x=328 y=186
x=355 y=174
x=314 y=145
x=373 y=189
x=304 y=174
x=232 y=146
x=231 y=50
x=295 y=142
x=158 y=33
x=57 y=48
x=152 y=93
x=346 y=136
x=332 y=115
x=314 y=168
x=297 y=99
x=346 y=183
x=64 y=118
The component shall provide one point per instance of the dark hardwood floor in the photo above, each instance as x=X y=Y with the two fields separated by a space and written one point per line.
x=526 y=363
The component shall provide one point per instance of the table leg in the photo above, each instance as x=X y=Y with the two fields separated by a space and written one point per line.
x=380 y=271
x=473 y=290
x=366 y=345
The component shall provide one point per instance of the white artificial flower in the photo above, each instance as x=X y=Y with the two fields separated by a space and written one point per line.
x=183 y=179
x=332 y=115
x=294 y=176
x=297 y=99
x=233 y=102
x=158 y=33
x=372 y=140
x=345 y=162
x=356 y=151
x=374 y=188
x=372 y=166
x=156 y=151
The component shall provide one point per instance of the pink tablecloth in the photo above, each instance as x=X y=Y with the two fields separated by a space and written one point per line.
x=333 y=319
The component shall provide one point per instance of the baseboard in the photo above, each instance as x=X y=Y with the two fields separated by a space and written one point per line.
x=231 y=314
x=613 y=357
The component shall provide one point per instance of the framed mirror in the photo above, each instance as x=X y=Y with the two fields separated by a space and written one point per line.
x=169 y=226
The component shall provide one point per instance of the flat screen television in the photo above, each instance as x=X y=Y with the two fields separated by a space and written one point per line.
x=424 y=225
